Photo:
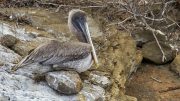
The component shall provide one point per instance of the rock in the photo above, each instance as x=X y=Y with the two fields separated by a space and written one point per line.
x=23 y=48
x=100 y=78
x=118 y=56
x=15 y=87
x=1 y=63
x=19 y=33
x=55 y=23
x=8 y=40
x=136 y=62
x=8 y=56
x=93 y=92
x=94 y=27
x=143 y=36
x=178 y=1
x=175 y=65
x=152 y=52
x=65 y=82
x=4 y=98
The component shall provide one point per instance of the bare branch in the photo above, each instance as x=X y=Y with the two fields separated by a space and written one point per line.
x=125 y=20
x=173 y=21
x=157 y=41
x=148 y=15
x=165 y=6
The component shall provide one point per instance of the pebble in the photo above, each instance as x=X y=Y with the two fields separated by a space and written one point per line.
x=100 y=78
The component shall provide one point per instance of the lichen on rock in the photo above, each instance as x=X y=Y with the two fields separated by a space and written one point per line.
x=118 y=56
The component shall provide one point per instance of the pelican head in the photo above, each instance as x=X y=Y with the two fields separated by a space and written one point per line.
x=77 y=22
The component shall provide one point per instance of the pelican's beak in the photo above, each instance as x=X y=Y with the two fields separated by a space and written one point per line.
x=88 y=37
x=82 y=26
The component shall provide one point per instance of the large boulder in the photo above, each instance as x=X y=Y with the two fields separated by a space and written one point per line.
x=143 y=36
x=152 y=52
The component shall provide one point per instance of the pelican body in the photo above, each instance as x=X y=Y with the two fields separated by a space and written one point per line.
x=78 y=56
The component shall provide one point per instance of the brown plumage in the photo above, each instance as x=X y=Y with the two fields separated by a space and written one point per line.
x=53 y=53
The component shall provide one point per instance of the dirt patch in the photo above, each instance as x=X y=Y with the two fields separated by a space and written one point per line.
x=154 y=83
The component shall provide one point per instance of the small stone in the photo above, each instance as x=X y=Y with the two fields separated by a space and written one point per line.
x=100 y=78
x=93 y=92
x=152 y=52
x=66 y=82
x=8 y=40
x=131 y=98
x=175 y=65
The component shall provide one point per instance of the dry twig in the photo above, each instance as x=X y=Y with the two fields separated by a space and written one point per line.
x=155 y=79
x=146 y=17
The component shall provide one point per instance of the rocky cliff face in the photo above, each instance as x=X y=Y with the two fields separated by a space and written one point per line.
x=119 y=58
x=116 y=50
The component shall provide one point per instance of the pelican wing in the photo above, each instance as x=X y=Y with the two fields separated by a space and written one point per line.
x=56 y=52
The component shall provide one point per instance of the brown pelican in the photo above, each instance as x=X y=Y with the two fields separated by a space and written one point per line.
x=67 y=55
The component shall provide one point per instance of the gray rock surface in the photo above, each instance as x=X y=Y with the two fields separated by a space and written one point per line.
x=16 y=87
x=152 y=52
x=93 y=92
x=8 y=56
x=66 y=82
x=20 y=33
